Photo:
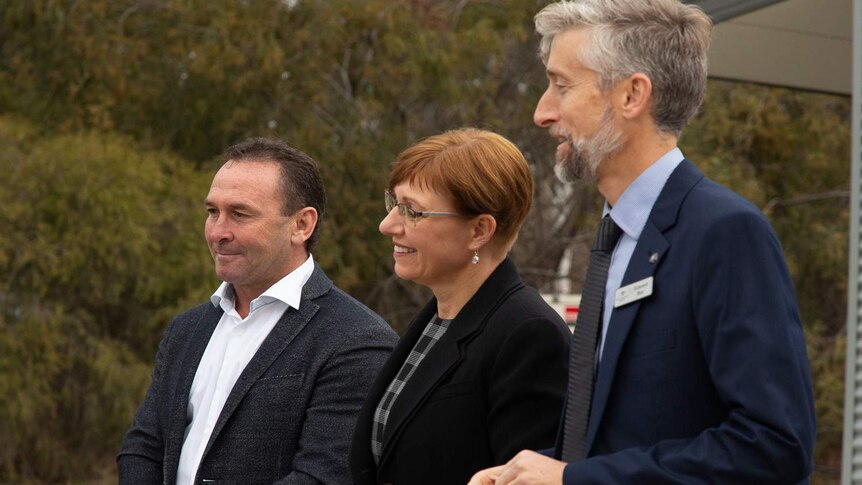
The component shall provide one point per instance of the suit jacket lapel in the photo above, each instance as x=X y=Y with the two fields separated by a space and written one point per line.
x=390 y=368
x=622 y=319
x=448 y=351
x=651 y=244
x=193 y=353
x=288 y=327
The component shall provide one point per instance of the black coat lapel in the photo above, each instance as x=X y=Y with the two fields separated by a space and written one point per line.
x=361 y=458
x=449 y=351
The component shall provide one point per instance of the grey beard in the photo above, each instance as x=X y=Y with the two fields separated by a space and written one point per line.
x=584 y=156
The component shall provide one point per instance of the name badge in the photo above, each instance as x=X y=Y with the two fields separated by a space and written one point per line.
x=633 y=292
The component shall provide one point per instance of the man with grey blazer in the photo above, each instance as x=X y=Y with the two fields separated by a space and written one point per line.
x=263 y=383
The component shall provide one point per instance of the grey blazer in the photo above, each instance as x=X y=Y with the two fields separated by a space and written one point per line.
x=291 y=413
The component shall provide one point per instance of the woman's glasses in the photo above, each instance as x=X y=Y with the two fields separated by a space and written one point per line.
x=407 y=212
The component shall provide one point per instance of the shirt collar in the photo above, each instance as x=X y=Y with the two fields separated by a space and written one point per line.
x=635 y=204
x=288 y=289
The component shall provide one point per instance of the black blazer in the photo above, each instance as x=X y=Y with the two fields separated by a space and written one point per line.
x=493 y=385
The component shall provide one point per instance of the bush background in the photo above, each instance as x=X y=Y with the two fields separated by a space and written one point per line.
x=113 y=114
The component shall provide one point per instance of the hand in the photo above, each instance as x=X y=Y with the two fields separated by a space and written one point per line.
x=527 y=467
x=487 y=476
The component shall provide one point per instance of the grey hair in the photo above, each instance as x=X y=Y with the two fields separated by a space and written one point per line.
x=664 y=39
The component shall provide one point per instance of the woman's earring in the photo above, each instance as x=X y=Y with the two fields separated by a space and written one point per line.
x=475 y=259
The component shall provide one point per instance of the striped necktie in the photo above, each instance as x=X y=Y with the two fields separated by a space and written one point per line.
x=582 y=356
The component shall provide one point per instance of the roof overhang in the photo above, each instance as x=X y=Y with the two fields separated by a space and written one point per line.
x=800 y=44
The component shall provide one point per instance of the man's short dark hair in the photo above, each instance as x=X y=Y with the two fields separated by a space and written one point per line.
x=301 y=184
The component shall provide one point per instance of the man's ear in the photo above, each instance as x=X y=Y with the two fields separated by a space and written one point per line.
x=635 y=95
x=304 y=222
x=483 y=229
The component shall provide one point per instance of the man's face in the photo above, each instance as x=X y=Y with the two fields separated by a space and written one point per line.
x=246 y=231
x=576 y=111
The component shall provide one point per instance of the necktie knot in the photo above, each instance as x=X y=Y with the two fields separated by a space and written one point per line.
x=608 y=235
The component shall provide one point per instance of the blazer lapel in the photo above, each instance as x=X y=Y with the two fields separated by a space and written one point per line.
x=448 y=351
x=287 y=328
x=193 y=353
x=622 y=318
x=646 y=258
x=365 y=422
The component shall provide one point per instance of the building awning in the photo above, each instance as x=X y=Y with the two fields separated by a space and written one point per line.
x=801 y=44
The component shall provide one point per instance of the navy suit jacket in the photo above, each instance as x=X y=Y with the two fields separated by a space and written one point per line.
x=290 y=414
x=707 y=380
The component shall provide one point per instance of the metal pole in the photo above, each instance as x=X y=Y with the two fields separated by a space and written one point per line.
x=851 y=469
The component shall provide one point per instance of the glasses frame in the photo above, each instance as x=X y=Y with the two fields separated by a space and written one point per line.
x=407 y=212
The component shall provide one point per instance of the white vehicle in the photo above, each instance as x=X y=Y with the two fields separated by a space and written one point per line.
x=566 y=304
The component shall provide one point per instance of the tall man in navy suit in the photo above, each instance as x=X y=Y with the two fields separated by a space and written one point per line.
x=263 y=383
x=700 y=368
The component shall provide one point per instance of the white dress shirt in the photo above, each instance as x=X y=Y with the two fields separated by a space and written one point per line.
x=233 y=343
x=631 y=213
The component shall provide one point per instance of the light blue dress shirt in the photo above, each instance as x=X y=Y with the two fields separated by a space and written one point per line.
x=630 y=213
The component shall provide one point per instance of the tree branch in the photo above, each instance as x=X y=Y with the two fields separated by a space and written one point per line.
x=804 y=199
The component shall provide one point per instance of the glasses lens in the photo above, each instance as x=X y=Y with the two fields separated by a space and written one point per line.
x=408 y=213
x=389 y=199
x=405 y=210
